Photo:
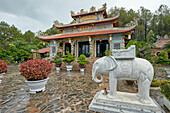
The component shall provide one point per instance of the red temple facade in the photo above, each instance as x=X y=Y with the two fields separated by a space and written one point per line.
x=93 y=32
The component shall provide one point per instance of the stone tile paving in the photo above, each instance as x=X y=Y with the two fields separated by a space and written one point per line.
x=65 y=92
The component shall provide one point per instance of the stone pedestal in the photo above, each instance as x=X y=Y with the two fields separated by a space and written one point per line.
x=124 y=102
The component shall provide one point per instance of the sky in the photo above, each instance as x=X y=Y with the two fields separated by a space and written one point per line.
x=38 y=15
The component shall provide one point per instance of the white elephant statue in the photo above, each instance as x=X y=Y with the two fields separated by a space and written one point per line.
x=128 y=69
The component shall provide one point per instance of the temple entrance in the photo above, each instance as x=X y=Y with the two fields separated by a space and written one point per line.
x=67 y=48
x=84 y=48
x=101 y=47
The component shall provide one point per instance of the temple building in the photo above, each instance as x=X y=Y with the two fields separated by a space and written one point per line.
x=91 y=34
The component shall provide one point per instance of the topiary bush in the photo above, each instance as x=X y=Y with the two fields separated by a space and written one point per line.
x=82 y=60
x=36 y=69
x=68 y=58
x=155 y=83
x=3 y=66
x=165 y=88
x=162 y=58
x=57 y=60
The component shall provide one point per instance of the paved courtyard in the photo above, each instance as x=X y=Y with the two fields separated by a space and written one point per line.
x=65 y=92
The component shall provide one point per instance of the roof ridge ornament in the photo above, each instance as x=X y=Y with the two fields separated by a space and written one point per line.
x=92 y=9
x=104 y=6
x=116 y=14
x=134 y=22
x=72 y=12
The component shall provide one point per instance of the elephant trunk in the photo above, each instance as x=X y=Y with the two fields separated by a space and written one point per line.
x=94 y=76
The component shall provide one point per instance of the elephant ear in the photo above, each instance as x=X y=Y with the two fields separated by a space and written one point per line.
x=111 y=63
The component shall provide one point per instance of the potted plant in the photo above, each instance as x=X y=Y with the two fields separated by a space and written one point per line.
x=90 y=53
x=165 y=89
x=3 y=68
x=36 y=73
x=57 y=60
x=68 y=59
x=82 y=62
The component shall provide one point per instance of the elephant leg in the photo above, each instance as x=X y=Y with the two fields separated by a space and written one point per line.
x=139 y=89
x=144 y=83
x=113 y=87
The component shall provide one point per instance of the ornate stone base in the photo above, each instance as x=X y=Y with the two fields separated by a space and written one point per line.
x=124 y=102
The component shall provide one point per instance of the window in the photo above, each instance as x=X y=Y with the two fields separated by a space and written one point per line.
x=53 y=49
x=157 y=53
x=116 y=45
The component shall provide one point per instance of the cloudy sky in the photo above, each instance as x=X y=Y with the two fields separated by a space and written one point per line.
x=37 y=15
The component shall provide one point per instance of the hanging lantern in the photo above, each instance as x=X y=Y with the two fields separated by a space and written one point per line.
x=64 y=42
x=100 y=40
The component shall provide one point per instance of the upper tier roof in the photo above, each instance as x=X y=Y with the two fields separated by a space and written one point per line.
x=91 y=33
x=92 y=22
x=92 y=12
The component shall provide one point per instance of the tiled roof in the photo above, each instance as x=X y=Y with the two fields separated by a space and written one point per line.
x=91 y=33
x=162 y=42
x=44 y=50
x=84 y=23
x=89 y=13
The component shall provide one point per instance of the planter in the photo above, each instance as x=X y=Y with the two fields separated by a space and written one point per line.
x=1 y=75
x=69 y=67
x=57 y=68
x=82 y=69
x=130 y=82
x=168 y=72
x=166 y=102
x=37 y=86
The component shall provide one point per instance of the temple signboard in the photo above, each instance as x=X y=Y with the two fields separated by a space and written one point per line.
x=88 y=17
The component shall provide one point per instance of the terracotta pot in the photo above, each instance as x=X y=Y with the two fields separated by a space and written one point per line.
x=58 y=65
x=82 y=66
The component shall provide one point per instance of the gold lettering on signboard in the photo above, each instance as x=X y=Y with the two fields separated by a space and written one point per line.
x=89 y=17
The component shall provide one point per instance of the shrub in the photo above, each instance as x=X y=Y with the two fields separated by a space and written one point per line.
x=68 y=58
x=155 y=83
x=82 y=60
x=57 y=60
x=107 y=52
x=90 y=53
x=36 y=69
x=162 y=58
x=165 y=88
x=3 y=66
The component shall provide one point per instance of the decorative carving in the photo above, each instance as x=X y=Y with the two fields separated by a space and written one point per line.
x=40 y=33
x=117 y=13
x=72 y=12
x=81 y=11
x=56 y=22
x=130 y=68
x=132 y=23
x=104 y=6
x=92 y=9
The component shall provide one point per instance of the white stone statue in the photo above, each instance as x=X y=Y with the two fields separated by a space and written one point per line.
x=124 y=65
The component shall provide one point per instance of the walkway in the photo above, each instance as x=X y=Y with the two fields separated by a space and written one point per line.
x=65 y=92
